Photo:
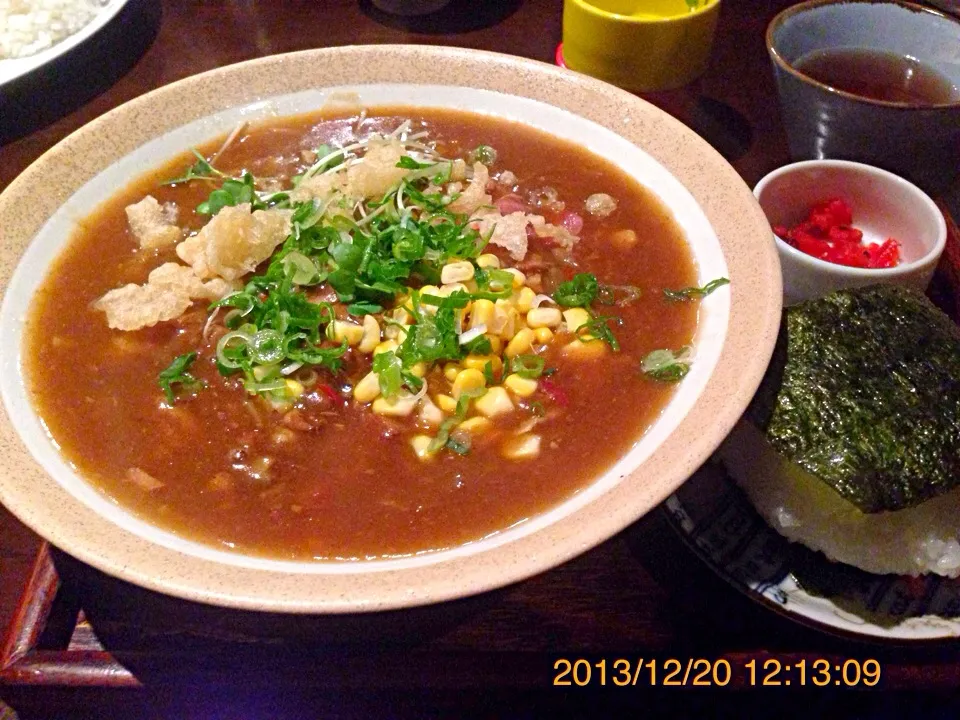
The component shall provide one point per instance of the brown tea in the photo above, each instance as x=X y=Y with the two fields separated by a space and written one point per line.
x=878 y=75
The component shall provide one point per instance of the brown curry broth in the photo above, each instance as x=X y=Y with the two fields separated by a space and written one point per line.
x=349 y=490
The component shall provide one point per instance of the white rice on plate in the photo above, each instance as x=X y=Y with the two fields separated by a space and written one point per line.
x=30 y=26
x=914 y=541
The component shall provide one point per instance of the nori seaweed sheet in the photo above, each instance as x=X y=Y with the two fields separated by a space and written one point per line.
x=864 y=393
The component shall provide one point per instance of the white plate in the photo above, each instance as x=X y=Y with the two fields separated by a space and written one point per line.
x=720 y=525
x=13 y=68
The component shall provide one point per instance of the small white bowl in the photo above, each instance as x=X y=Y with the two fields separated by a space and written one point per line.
x=884 y=205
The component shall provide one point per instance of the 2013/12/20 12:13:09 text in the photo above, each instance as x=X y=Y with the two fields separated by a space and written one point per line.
x=702 y=672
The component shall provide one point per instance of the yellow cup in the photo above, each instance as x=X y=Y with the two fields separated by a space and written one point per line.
x=639 y=45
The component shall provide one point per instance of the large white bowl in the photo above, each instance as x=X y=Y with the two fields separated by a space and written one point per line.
x=725 y=228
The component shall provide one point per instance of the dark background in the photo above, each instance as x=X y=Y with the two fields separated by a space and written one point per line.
x=642 y=594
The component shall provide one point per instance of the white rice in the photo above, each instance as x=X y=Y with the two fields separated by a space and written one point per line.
x=918 y=540
x=29 y=26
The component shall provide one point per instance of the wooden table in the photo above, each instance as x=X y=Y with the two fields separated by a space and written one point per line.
x=87 y=645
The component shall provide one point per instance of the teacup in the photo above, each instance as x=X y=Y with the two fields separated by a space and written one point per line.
x=918 y=140
x=639 y=45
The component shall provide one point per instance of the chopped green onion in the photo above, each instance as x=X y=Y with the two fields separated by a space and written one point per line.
x=253 y=387
x=302 y=270
x=177 y=373
x=200 y=170
x=460 y=445
x=527 y=366
x=483 y=154
x=578 y=292
x=364 y=308
x=408 y=163
x=597 y=329
x=488 y=373
x=242 y=301
x=607 y=294
x=233 y=191
x=266 y=347
x=691 y=293
x=389 y=370
x=236 y=341
x=480 y=345
x=665 y=365
x=459 y=415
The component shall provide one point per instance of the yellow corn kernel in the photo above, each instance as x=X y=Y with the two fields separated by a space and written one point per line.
x=403 y=312
x=421 y=446
x=429 y=290
x=496 y=401
x=520 y=386
x=371 y=335
x=455 y=272
x=475 y=425
x=524 y=299
x=575 y=318
x=543 y=335
x=499 y=317
x=386 y=346
x=430 y=414
x=396 y=332
x=419 y=369
x=451 y=370
x=479 y=362
x=260 y=372
x=507 y=319
x=515 y=324
x=488 y=260
x=469 y=379
x=580 y=350
x=294 y=388
x=519 y=279
x=482 y=313
x=523 y=447
x=342 y=329
x=398 y=407
x=544 y=317
x=448 y=290
x=368 y=389
x=522 y=343
x=624 y=239
x=496 y=343
x=446 y=403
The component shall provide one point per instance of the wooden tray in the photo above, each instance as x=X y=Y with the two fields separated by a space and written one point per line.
x=641 y=595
